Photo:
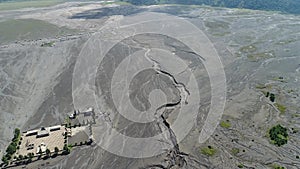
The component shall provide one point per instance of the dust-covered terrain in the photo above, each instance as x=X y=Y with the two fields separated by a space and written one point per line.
x=259 y=51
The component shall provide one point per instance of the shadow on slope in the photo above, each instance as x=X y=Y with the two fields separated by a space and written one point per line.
x=125 y=10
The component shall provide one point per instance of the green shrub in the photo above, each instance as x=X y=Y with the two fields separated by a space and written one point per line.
x=17 y=132
x=48 y=152
x=56 y=150
x=209 y=151
x=235 y=151
x=30 y=155
x=48 y=44
x=20 y=157
x=281 y=108
x=5 y=160
x=272 y=97
x=8 y=156
x=11 y=149
x=13 y=146
x=225 y=124
x=278 y=135
x=276 y=166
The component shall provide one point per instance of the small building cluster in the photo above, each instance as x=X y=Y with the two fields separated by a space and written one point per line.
x=42 y=132
x=81 y=118
x=76 y=131
x=38 y=141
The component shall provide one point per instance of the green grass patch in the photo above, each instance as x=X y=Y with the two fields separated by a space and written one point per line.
x=295 y=115
x=220 y=34
x=281 y=108
x=262 y=86
x=209 y=151
x=248 y=49
x=276 y=166
x=217 y=24
x=280 y=79
x=29 y=29
x=266 y=93
x=48 y=44
x=225 y=124
x=257 y=56
x=295 y=130
x=235 y=151
x=240 y=166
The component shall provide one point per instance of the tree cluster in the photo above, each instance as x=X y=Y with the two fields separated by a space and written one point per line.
x=67 y=149
x=278 y=135
x=13 y=146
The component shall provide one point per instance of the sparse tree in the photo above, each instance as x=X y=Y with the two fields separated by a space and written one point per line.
x=17 y=132
x=267 y=94
x=278 y=135
x=272 y=97
x=30 y=155
x=20 y=157
x=11 y=149
x=56 y=150
x=8 y=156
x=48 y=153
x=66 y=149
x=29 y=160
x=5 y=160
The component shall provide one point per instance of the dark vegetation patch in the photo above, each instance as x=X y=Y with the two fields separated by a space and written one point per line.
x=29 y=29
x=286 y=6
x=278 y=135
x=13 y=146
x=124 y=10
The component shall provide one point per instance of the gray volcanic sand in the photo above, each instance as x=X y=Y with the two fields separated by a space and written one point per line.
x=256 y=48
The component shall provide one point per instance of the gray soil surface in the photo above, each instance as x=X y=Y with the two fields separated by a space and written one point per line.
x=259 y=51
